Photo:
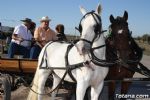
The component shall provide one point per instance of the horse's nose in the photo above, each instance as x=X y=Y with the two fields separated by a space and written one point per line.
x=123 y=55
x=84 y=48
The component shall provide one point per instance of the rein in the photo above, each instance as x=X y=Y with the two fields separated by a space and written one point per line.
x=100 y=62
x=86 y=41
x=137 y=49
x=138 y=52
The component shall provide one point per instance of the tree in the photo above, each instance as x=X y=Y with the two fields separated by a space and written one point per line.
x=145 y=37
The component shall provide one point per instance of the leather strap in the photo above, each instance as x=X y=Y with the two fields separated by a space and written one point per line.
x=67 y=62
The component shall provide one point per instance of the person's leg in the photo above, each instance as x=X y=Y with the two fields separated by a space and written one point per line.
x=34 y=52
x=24 y=51
x=13 y=47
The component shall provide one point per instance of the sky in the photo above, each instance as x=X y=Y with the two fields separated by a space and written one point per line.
x=67 y=12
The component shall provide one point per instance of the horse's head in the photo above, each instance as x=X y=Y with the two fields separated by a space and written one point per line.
x=89 y=27
x=120 y=35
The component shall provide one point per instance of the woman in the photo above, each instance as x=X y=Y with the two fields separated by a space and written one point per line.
x=60 y=32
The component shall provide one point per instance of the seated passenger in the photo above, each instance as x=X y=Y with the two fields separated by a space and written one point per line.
x=42 y=35
x=32 y=28
x=60 y=32
x=19 y=43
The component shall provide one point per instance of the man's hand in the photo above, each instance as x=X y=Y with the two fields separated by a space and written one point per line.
x=20 y=39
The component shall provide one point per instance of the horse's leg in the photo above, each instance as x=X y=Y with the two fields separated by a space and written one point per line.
x=81 y=89
x=96 y=90
x=111 y=90
x=32 y=95
x=56 y=81
x=124 y=87
x=43 y=73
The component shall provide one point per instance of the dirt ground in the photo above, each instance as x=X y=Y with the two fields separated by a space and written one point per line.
x=22 y=92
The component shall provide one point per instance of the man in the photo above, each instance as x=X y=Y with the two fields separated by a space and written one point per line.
x=42 y=35
x=21 y=40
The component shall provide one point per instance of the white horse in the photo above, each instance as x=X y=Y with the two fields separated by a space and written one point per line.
x=89 y=74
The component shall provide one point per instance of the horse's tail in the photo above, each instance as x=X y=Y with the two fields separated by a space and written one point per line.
x=32 y=95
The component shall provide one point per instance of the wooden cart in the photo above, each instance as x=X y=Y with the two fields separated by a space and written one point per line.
x=12 y=74
x=15 y=72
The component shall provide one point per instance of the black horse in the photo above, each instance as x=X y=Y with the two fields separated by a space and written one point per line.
x=121 y=47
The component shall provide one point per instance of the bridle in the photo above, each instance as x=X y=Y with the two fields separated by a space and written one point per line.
x=98 y=32
x=131 y=43
x=97 y=29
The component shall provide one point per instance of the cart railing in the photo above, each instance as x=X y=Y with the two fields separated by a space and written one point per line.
x=18 y=65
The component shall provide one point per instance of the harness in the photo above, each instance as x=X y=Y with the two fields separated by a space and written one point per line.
x=67 y=62
x=138 y=52
x=68 y=68
x=94 y=59
x=98 y=32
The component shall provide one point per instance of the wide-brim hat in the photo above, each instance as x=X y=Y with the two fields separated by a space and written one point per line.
x=45 y=18
x=28 y=20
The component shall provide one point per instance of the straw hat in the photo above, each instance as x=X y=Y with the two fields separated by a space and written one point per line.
x=45 y=18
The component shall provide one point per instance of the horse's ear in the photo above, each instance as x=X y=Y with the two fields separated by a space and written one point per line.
x=83 y=11
x=125 y=16
x=98 y=9
x=111 y=18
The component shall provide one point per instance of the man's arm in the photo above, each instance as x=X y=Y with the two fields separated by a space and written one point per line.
x=36 y=37
x=16 y=37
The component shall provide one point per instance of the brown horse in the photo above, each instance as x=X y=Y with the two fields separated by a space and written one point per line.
x=121 y=46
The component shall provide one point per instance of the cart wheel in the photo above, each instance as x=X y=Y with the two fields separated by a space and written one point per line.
x=5 y=89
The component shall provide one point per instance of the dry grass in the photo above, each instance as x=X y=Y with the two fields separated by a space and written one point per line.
x=145 y=46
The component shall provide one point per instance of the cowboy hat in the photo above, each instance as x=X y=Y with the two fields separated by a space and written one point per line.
x=45 y=18
x=28 y=20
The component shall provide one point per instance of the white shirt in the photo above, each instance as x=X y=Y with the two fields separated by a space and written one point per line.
x=24 y=33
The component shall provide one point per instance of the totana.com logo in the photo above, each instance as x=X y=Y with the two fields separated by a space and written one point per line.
x=132 y=96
